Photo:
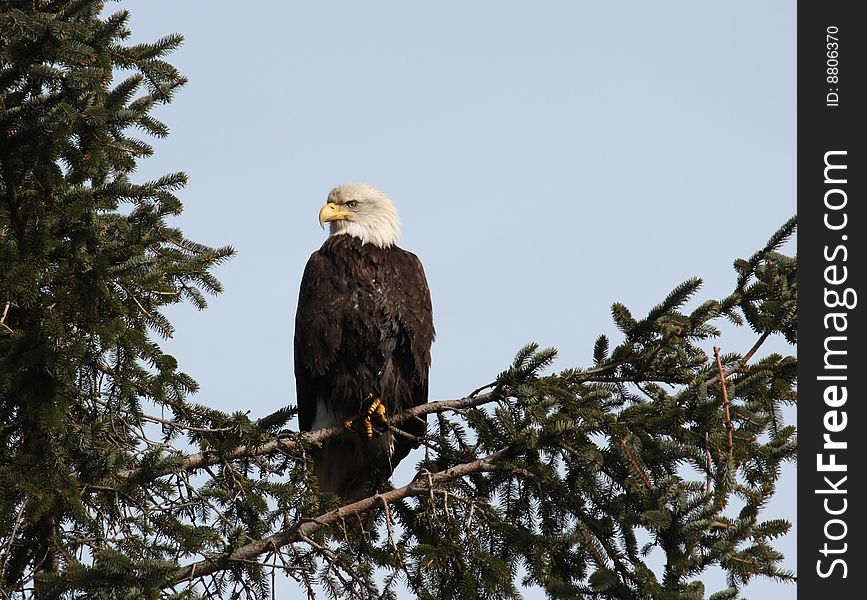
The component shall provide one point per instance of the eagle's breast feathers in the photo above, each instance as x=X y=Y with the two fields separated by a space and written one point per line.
x=363 y=330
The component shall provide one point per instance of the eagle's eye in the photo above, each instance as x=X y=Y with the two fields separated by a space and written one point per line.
x=352 y=203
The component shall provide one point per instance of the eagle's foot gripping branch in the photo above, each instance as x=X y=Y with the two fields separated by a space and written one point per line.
x=372 y=421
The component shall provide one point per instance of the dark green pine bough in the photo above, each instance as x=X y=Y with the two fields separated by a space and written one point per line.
x=626 y=479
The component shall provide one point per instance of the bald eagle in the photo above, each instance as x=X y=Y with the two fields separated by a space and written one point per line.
x=363 y=333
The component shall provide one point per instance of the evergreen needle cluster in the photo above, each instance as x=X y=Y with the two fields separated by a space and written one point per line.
x=626 y=479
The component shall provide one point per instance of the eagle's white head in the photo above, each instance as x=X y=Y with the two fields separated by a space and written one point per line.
x=361 y=211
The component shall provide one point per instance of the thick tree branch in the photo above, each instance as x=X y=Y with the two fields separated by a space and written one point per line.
x=307 y=527
x=290 y=441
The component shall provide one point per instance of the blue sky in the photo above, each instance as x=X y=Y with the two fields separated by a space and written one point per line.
x=547 y=160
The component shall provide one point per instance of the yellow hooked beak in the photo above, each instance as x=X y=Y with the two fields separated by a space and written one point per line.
x=332 y=212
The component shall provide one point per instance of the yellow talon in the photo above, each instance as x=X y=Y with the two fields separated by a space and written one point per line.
x=380 y=412
x=375 y=406
x=376 y=409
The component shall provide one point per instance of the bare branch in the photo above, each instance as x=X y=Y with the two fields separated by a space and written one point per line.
x=742 y=362
x=635 y=466
x=307 y=527
x=8 y=552
x=725 y=394
x=290 y=441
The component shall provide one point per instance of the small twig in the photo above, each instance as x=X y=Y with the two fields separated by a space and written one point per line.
x=388 y=523
x=178 y=244
x=743 y=362
x=745 y=418
x=725 y=394
x=132 y=151
x=3 y=318
x=406 y=434
x=755 y=347
x=635 y=464
x=597 y=558
x=709 y=462
x=175 y=424
x=484 y=387
x=8 y=552
x=430 y=486
x=639 y=379
x=446 y=505
x=469 y=522
x=134 y=299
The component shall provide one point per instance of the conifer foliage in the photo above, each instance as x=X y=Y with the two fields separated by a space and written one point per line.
x=87 y=261
x=626 y=479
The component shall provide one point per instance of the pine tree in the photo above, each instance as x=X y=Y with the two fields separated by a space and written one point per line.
x=569 y=478
x=88 y=261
